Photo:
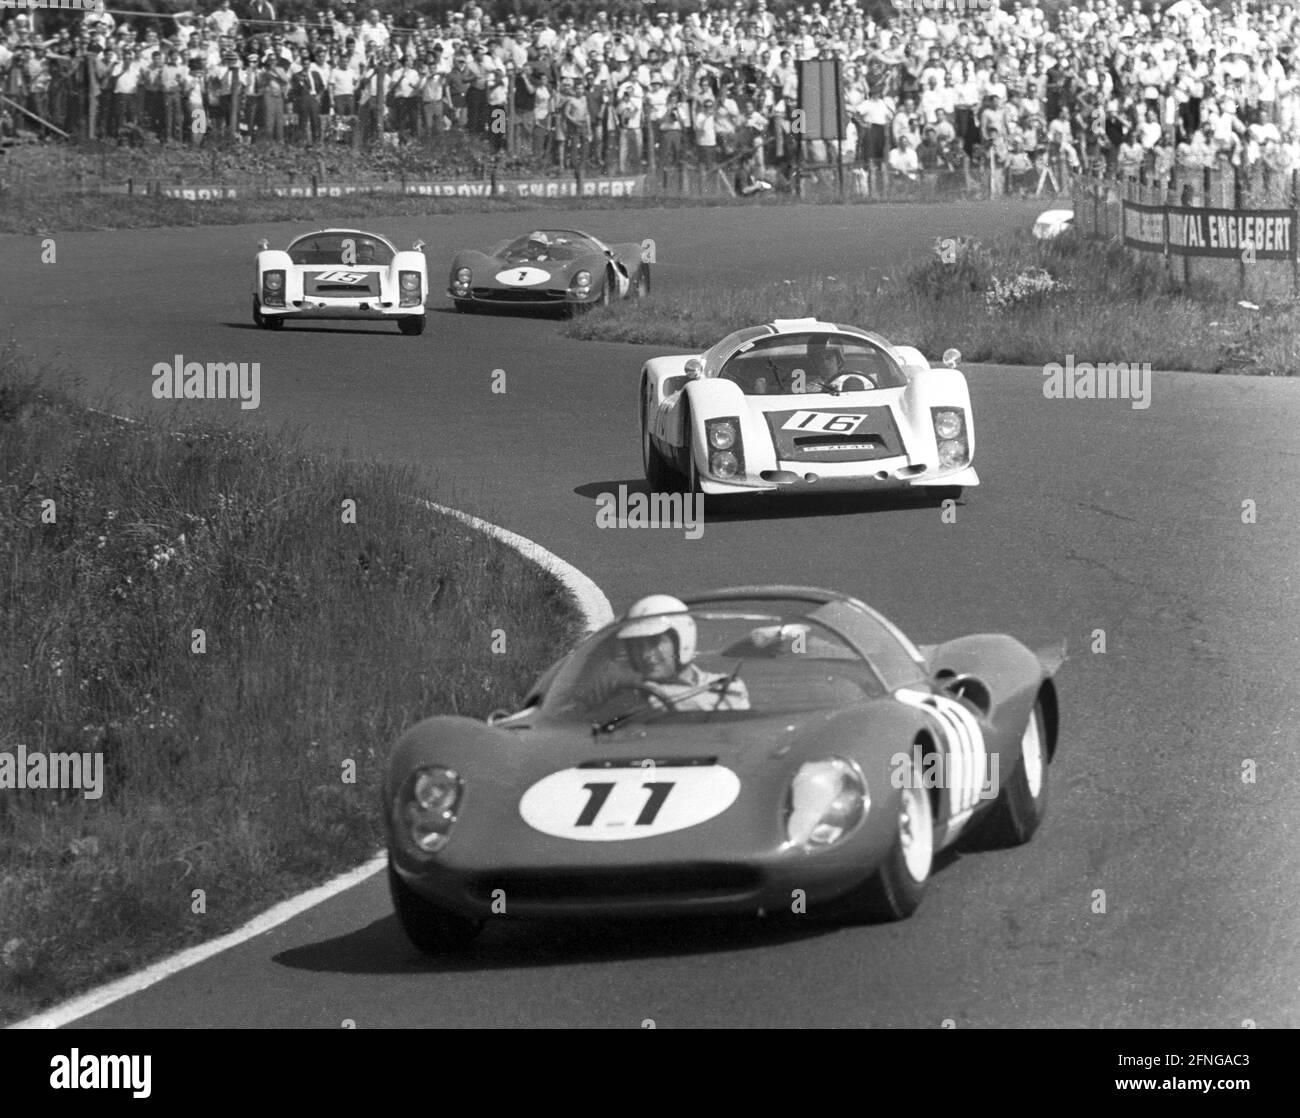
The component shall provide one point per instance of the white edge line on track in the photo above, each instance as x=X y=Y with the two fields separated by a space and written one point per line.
x=596 y=612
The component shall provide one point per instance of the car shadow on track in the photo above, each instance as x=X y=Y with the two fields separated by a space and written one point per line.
x=382 y=948
x=481 y=310
x=775 y=506
x=319 y=328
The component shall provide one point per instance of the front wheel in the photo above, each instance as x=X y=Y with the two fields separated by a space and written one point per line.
x=433 y=930
x=659 y=476
x=1022 y=800
x=266 y=321
x=411 y=324
x=895 y=890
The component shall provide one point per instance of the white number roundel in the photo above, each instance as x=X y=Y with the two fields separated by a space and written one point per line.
x=522 y=277
x=616 y=805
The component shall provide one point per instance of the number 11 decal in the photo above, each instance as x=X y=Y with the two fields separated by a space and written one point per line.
x=599 y=793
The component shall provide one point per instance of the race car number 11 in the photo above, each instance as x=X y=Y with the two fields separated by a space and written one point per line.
x=832 y=422
x=620 y=804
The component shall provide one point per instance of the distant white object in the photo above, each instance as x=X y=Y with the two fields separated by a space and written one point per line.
x=1052 y=223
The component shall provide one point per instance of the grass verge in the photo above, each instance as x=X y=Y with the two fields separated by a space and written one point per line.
x=1013 y=301
x=248 y=770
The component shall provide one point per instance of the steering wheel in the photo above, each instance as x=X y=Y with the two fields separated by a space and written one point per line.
x=840 y=383
x=642 y=687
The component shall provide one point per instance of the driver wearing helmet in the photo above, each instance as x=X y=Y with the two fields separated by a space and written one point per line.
x=826 y=373
x=365 y=251
x=659 y=637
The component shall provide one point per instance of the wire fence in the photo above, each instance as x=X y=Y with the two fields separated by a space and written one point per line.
x=1099 y=205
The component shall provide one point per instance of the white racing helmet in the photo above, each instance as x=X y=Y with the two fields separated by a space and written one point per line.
x=662 y=613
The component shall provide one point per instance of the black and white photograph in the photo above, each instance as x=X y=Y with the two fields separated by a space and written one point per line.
x=651 y=514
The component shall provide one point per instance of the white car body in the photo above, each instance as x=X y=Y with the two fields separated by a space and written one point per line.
x=341 y=274
x=1052 y=223
x=846 y=437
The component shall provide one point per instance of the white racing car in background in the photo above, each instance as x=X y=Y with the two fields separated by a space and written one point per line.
x=341 y=273
x=1052 y=223
x=806 y=406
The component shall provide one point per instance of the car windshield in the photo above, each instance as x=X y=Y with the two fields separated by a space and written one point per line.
x=744 y=660
x=345 y=248
x=792 y=364
x=549 y=244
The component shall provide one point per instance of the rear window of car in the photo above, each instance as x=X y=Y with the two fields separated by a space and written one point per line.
x=340 y=248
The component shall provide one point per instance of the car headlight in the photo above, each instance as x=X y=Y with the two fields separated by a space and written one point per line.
x=726 y=457
x=722 y=463
x=410 y=285
x=827 y=800
x=273 y=286
x=460 y=281
x=722 y=435
x=952 y=452
x=582 y=279
x=948 y=423
x=427 y=804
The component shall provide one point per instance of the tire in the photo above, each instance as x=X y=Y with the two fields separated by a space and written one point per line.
x=895 y=890
x=464 y=306
x=411 y=324
x=607 y=291
x=641 y=288
x=431 y=929
x=689 y=481
x=266 y=321
x=659 y=476
x=1022 y=800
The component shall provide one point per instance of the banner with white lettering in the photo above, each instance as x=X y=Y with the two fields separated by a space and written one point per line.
x=627 y=186
x=1198 y=231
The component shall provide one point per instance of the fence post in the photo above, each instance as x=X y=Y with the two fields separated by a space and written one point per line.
x=1295 y=222
x=1241 y=256
x=510 y=117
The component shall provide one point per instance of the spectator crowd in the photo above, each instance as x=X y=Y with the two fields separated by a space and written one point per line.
x=1130 y=87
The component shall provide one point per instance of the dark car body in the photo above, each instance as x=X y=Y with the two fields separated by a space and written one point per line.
x=567 y=810
x=546 y=268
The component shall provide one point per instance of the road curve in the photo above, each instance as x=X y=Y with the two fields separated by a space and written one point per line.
x=1092 y=516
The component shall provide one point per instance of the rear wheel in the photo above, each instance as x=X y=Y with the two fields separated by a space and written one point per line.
x=895 y=890
x=431 y=929
x=411 y=324
x=1022 y=799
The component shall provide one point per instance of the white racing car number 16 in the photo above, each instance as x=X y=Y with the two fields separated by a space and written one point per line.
x=619 y=804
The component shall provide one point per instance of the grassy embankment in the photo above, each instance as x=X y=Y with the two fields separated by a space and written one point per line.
x=228 y=770
x=1098 y=303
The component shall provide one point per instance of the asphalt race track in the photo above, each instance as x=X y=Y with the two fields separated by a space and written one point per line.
x=1092 y=515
